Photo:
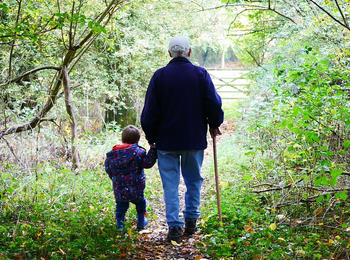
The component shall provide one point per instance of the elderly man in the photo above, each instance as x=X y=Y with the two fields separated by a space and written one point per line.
x=180 y=102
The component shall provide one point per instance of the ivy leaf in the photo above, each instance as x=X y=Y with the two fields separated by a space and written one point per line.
x=336 y=173
x=320 y=199
x=321 y=180
x=346 y=144
x=4 y=7
x=342 y=195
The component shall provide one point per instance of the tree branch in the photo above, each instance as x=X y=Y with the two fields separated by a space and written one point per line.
x=14 y=40
x=330 y=15
x=298 y=9
x=325 y=190
x=12 y=151
x=62 y=34
x=307 y=200
x=276 y=188
x=342 y=14
x=17 y=79
x=280 y=14
x=254 y=58
x=28 y=35
x=100 y=19
x=71 y=40
x=255 y=7
x=54 y=90
x=325 y=126
x=237 y=15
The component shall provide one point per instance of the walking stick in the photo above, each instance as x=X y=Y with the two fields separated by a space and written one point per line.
x=217 y=180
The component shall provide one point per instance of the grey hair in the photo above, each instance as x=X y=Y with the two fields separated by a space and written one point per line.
x=179 y=51
x=179 y=46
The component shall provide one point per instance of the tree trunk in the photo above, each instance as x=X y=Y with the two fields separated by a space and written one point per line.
x=69 y=109
x=223 y=58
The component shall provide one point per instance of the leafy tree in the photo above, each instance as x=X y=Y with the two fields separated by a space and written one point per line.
x=300 y=110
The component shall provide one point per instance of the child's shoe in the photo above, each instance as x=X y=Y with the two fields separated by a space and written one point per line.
x=142 y=221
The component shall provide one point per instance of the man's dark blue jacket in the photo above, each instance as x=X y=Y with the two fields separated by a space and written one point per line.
x=181 y=101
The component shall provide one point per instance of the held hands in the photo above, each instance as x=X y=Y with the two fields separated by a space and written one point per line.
x=214 y=132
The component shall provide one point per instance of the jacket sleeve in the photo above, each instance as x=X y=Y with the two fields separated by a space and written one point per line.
x=149 y=159
x=151 y=112
x=108 y=167
x=212 y=103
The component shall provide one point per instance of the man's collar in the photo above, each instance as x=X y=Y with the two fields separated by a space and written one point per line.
x=180 y=59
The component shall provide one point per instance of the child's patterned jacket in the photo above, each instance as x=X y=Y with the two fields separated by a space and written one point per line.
x=124 y=165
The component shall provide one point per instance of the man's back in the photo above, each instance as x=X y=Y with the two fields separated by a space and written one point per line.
x=181 y=100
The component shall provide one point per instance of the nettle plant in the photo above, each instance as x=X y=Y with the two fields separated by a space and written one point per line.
x=303 y=130
x=316 y=111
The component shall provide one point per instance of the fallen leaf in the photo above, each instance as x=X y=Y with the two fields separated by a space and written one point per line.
x=273 y=226
x=300 y=252
x=174 y=243
x=223 y=184
x=280 y=217
x=318 y=211
x=145 y=231
x=130 y=232
x=248 y=228
x=281 y=239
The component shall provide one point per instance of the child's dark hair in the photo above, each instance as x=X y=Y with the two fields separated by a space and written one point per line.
x=130 y=135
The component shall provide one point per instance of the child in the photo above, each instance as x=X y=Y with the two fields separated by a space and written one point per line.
x=124 y=165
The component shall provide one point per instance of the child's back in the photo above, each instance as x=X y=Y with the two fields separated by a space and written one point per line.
x=124 y=165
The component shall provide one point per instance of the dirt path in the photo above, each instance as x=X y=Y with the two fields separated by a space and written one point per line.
x=153 y=243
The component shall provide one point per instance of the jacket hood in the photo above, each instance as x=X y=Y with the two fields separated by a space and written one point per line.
x=122 y=156
x=121 y=147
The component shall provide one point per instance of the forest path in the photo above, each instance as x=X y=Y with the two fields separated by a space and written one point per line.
x=152 y=241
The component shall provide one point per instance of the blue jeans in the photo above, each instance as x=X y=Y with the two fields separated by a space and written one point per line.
x=169 y=163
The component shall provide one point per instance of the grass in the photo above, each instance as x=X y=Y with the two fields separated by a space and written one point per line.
x=62 y=214
x=66 y=214
x=233 y=109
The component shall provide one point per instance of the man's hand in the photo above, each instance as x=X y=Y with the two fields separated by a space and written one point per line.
x=214 y=132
